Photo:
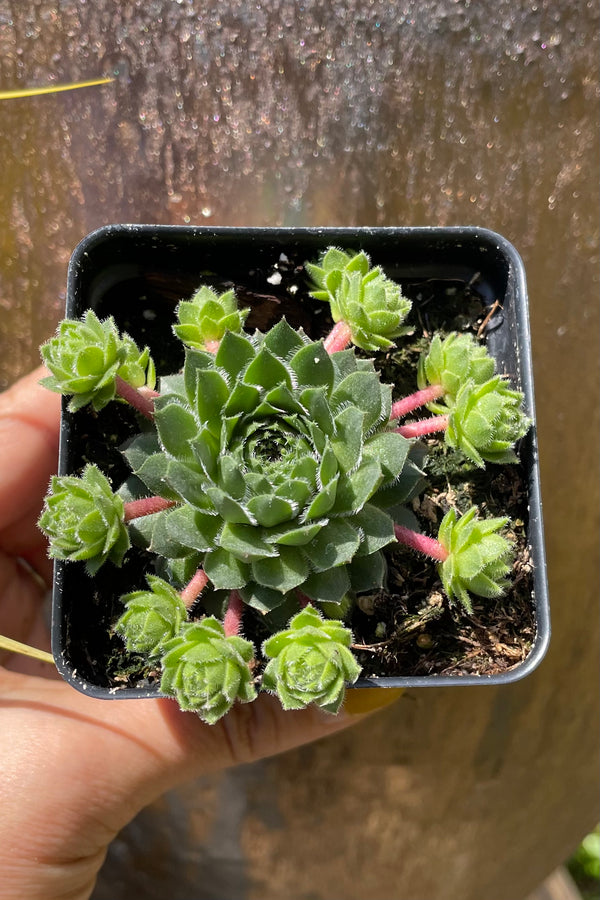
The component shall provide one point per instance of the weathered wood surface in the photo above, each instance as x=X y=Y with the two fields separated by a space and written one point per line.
x=348 y=113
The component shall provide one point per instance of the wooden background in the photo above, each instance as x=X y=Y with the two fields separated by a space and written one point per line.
x=420 y=113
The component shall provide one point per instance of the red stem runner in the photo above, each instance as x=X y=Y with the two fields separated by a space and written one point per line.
x=134 y=509
x=143 y=403
x=420 y=542
x=194 y=588
x=424 y=426
x=413 y=401
x=339 y=338
x=232 y=622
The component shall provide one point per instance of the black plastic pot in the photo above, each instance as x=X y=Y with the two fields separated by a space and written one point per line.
x=138 y=274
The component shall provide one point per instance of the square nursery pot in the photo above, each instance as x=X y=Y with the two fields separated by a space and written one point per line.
x=467 y=278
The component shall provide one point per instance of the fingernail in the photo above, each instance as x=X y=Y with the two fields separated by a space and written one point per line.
x=365 y=700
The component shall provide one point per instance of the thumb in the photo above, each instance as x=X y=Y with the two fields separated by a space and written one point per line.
x=107 y=760
x=186 y=748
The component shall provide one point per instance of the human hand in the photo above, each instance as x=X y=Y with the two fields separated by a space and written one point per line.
x=74 y=770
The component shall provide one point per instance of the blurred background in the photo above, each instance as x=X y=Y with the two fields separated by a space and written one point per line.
x=308 y=112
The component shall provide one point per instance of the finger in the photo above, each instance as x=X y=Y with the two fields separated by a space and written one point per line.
x=29 y=429
x=23 y=539
x=21 y=601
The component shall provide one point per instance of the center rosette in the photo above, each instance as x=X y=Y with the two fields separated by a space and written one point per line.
x=286 y=462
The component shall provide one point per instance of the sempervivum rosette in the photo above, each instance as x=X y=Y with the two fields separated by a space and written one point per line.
x=85 y=358
x=372 y=305
x=206 y=670
x=283 y=458
x=310 y=662
x=84 y=520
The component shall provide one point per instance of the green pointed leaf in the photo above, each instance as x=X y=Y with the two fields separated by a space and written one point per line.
x=334 y=545
x=187 y=482
x=355 y=489
x=150 y=532
x=235 y=352
x=193 y=529
x=137 y=450
x=390 y=449
x=306 y=470
x=487 y=587
x=283 y=573
x=195 y=361
x=316 y=402
x=267 y=371
x=408 y=485
x=245 y=542
x=264 y=599
x=295 y=537
x=270 y=510
x=282 y=398
x=231 y=510
x=328 y=587
x=328 y=467
x=212 y=393
x=348 y=441
x=313 y=366
x=231 y=478
x=206 y=449
x=323 y=501
x=283 y=340
x=471 y=562
x=361 y=389
x=345 y=363
x=225 y=571
x=376 y=529
x=176 y=426
x=244 y=398
x=368 y=573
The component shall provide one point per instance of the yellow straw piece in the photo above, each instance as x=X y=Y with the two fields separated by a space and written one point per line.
x=25 y=650
x=55 y=89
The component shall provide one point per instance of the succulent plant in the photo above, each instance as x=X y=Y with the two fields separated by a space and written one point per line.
x=310 y=662
x=85 y=520
x=271 y=472
x=370 y=304
x=486 y=421
x=452 y=361
x=479 y=559
x=281 y=458
x=86 y=357
x=207 y=671
x=204 y=320
x=151 y=618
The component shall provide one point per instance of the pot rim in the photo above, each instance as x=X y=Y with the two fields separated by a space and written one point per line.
x=485 y=240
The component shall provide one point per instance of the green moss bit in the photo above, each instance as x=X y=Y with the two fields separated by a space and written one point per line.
x=151 y=618
x=310 y=662
x=84 y=520
x=450 y=362
x=206 y=671
x=478 y=557
x=85 y=357
x=371 y=304
x=205 y=318
x=486 y=421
